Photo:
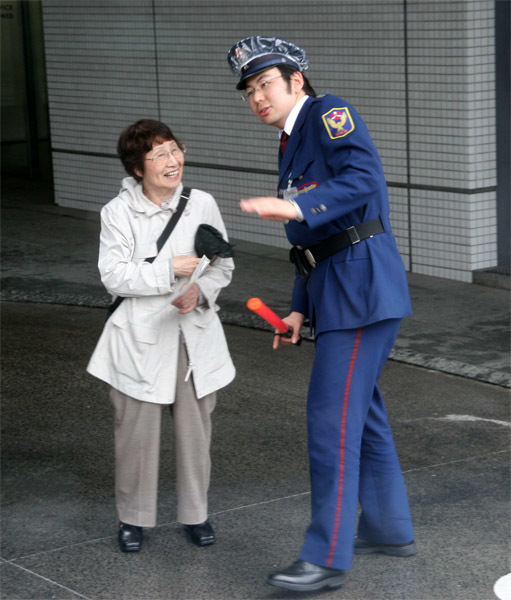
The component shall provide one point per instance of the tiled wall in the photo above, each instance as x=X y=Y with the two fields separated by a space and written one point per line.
x=451 y=99
x=420 y=73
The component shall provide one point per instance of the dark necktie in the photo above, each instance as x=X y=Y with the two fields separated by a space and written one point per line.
x=283 y=142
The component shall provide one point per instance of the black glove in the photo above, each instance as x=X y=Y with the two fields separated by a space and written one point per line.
x=209 y=241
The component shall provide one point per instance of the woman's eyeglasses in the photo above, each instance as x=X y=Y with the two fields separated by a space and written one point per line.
x=162 y=155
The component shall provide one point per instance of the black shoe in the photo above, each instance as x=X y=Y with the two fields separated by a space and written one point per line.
x=304 y=576
x=130 y=537
x=201 y=534
x=363 y=547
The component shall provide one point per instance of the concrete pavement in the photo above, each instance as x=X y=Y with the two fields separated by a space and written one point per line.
x=58 y=511
x=58 y=516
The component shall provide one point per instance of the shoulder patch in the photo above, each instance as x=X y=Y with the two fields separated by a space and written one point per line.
x=338 y=122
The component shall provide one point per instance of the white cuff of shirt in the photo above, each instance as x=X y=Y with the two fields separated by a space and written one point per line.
x=300 y=216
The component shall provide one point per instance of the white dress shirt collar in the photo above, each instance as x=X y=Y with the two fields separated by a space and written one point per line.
x=293 y=115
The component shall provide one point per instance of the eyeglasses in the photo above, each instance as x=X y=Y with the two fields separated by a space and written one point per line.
x=249 y=93
x=162 y=155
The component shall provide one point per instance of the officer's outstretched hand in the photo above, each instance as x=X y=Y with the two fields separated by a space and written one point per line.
x=270 y=208
x=295 y=321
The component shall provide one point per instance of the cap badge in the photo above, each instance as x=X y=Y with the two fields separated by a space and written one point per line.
x=338 y=122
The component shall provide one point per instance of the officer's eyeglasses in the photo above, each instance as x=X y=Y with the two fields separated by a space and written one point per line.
x=249 y=93
x=162 y=155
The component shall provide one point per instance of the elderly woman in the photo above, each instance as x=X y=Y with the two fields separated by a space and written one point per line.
x=156 y=350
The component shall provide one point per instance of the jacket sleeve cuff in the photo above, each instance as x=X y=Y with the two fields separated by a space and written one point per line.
x=162 y=275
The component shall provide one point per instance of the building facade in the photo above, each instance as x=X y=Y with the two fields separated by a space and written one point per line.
x=421 y=74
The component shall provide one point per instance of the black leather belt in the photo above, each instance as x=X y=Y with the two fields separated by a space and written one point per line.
x=340 y=241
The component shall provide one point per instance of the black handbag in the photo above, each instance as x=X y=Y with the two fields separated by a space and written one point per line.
x=185 y=196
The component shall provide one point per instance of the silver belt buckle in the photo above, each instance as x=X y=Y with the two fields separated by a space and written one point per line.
x=310 y=258
x=353 y=235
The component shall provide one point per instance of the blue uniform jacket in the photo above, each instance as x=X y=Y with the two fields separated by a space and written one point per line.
x=332 y=161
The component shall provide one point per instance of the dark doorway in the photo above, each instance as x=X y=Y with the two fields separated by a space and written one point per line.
x=25 y=128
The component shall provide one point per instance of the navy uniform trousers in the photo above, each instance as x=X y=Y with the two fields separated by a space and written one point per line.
x=351 y=449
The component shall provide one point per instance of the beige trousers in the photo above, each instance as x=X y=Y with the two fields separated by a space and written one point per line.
x=137 y=452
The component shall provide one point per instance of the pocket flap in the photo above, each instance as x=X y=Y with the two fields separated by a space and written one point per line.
x=203 y=317
x=184 y=246
x=140 y=333
x=146 y=335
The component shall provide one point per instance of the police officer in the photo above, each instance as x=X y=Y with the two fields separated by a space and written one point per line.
x=351 y=287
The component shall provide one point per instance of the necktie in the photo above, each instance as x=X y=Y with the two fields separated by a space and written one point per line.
x=283 y=142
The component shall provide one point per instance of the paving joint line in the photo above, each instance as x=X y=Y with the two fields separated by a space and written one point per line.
x=64 y=587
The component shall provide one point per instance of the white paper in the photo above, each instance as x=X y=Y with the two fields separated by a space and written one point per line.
x=199 y=270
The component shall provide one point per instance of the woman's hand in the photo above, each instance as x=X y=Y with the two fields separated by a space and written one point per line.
x=270 y=208
x=188 y=301
x=295 y=321
x=184 y=266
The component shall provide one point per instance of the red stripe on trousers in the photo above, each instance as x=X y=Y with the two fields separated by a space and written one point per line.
x=347 y=388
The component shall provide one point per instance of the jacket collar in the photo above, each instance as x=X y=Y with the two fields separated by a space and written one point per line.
x=140 y=203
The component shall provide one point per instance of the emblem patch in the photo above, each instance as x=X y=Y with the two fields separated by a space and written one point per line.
x=338 y=122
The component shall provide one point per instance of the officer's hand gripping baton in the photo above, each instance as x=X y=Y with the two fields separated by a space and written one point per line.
x=260 y=308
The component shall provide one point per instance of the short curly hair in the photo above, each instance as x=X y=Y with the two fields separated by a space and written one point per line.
x=137 y=140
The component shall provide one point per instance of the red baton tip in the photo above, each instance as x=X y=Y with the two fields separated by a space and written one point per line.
x=254 y=303
x=260 y=308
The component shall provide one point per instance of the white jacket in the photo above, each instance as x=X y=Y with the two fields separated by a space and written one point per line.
x=137 y=351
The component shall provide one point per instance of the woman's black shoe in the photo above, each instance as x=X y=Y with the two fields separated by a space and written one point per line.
x=130 y=537
x=201 y=534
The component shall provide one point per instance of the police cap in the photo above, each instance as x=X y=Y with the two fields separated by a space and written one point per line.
x=258 y=53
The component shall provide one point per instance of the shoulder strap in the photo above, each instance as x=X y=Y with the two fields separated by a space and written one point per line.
x=185 y=196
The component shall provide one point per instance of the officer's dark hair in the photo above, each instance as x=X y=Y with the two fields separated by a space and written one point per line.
x=137 y=140
x=286 y=73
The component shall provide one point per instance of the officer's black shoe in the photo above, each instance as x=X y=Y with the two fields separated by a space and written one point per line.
x=304 y=576
x=130 y=537
x=363 y=547
x=201 y=534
